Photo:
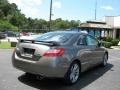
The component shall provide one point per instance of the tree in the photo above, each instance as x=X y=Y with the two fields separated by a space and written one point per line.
x=12 y=18
x=1 y=14
x=5 y=25
x=18 y=20
x=74 y=23
x=3 y=2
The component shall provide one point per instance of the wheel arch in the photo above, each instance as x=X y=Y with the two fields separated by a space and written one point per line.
x=78 y=61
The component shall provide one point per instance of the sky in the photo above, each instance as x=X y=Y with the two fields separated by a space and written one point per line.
x=68 y=9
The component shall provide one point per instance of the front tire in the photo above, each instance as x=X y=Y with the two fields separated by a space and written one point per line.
x=73 y=73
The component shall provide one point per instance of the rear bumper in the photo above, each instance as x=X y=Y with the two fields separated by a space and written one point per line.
x=47 y=67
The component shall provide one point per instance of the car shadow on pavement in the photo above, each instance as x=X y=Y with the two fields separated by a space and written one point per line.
x=57 y=84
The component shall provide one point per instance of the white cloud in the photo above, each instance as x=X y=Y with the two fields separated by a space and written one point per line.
x=34 y=9
x=30 y=8
x=14 y=1
x=107 y=7
x=57 y=4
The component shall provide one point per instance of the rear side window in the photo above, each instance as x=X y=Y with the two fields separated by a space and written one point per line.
x=82 y=40
x=91 y=41
x=58 y=37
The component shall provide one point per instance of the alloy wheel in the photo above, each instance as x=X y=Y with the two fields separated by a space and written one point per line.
x=74 y=73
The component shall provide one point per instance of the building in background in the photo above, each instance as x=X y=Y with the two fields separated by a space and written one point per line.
x=114 y=22
x=109 y=27
x=98 y=29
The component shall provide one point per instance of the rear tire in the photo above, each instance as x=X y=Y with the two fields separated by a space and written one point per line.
x=29 y=75
x=73 y=74
x=105 y=59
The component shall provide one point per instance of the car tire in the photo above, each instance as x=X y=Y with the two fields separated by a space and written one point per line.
x=105 y=59
x=73 y=74
x=29 y=75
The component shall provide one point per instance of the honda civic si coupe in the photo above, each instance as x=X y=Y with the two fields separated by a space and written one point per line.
x=60 y=54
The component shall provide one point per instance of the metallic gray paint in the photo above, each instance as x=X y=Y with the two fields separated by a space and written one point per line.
x=88 y=56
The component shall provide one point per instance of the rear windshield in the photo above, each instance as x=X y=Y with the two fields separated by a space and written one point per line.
x=52 y=36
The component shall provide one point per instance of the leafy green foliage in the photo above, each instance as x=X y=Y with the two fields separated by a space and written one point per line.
x=106 y=44
x=64 y=24
x=108 y=39
x=5 y=25
x=115 y=42
x=12 y=18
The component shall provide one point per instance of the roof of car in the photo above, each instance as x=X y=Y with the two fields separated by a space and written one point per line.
x=72 y=32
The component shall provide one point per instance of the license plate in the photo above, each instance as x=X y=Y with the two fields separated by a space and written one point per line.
x=27 y=52
x=27 y=55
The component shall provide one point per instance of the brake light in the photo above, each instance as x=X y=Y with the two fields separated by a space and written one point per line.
x=54 y=52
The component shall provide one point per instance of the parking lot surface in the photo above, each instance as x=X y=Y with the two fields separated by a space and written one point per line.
x=99 y=78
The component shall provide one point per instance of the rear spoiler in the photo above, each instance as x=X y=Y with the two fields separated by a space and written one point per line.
x=49 y=43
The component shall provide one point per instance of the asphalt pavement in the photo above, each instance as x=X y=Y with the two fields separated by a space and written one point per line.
x=99 y=78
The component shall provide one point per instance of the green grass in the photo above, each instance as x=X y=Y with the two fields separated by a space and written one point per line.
x=5 y=45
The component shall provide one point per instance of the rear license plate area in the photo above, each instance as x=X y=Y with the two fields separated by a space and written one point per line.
x=28 y=52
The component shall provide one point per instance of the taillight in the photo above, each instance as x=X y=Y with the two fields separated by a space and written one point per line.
x=54 y=52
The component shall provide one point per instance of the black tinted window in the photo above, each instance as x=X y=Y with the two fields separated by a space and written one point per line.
x=59 y=37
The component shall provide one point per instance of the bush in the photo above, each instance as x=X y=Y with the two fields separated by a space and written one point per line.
x=107 y=39
x=115 y=42
x=106 y=44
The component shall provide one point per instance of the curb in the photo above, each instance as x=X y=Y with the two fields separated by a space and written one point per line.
x=116 y=47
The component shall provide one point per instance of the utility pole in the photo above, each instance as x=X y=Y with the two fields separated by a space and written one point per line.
x=50 y=15
x=95 y=9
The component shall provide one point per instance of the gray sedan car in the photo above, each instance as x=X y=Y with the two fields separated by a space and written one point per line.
x=60 y=54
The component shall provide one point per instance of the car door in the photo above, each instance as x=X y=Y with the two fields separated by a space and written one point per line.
x=84 y=52
x=96 y=52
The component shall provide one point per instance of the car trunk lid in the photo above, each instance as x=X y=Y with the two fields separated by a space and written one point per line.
x=33 y=50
